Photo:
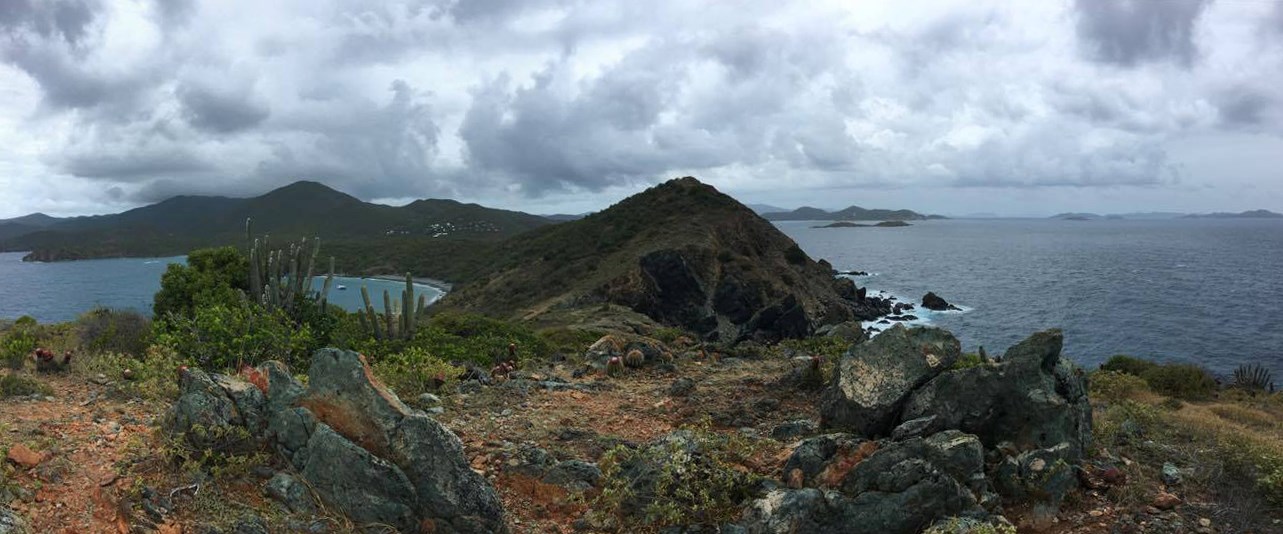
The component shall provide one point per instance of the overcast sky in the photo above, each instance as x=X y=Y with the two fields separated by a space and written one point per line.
x=549 y=106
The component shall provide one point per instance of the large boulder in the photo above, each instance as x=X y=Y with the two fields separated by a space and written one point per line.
x=874 y=379
x=1032 y=407
x=932 y=301
x=351 y=440
x=887 y=488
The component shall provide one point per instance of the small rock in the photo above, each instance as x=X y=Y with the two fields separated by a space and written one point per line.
x=794 y=429
x=1171 y=474
x=25 y=457
x=288 y=491
x=435 y=410
x=1204 y=522
x=681 y=387
x=1166 y=501
x=428 y=399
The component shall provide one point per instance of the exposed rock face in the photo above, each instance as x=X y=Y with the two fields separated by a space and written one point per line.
x=932 y=301
x=1030 y=411
x=682 y=254
x=350 y=439
x=887 y=487
x=11 y=522
x=874 y=379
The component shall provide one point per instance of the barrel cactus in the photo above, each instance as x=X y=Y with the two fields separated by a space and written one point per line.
x=614 y=366
x=634 y=358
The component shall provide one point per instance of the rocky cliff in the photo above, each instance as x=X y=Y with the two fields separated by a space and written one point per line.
x=681 y=253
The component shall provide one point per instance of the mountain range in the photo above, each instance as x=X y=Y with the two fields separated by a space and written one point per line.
x=1159 y=215
x=852 y=213
x=302 y=209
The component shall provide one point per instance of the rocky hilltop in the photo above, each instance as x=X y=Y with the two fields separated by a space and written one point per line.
x=680 y=253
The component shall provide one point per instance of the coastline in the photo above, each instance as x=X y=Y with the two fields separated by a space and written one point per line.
x=440 y=285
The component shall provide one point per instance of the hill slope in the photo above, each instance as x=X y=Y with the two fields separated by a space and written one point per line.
x=852 y=213
x=681 y=253
x=301 y=209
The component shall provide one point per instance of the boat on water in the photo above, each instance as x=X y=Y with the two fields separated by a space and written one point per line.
x=341 y=287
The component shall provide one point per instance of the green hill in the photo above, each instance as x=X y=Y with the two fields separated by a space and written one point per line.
x=852 y=213
x=681 y=253
x=301 y=209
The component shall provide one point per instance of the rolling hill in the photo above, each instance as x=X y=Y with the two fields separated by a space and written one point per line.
x=302 y=209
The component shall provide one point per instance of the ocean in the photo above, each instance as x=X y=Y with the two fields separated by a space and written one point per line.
x=60 y=291
x=1206 y=291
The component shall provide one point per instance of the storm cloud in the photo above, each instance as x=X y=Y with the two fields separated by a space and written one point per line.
x=566 y=103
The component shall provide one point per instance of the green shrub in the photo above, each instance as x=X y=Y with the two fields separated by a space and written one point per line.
x=211 y=277
x=222 y=337
x=1183 y=381
x=108 y=330
x=414 y=371
x=14 y=384
x=693 y=479
x=153 y=375
x=827 y=346
x=569 y=341
x=1128 y=364
x=16 y=346
x=1115 y=386
x=969 y=360
x=966 y=525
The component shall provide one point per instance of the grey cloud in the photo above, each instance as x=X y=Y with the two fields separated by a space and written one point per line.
x=64 y=19
x=132 y=165
x=1131 y=32
x=220 y=111
x=1243 y=106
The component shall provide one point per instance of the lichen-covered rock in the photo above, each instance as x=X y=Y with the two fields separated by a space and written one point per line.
x=352 y=441
x=874 y=379
x=291 y=493
x=576 y=475
x=810 y=462
x=11 y=522
x=206 y=416
x=900 y=487
x=1031 y=405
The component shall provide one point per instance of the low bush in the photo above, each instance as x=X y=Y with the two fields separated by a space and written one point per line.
x=1182 y=381
x=15 y=384
x=414 y=371
x=152 y=376
x=16 y=347
x=1114 y=386
x=969 y=360
x=694 y=477
x=108 y=330
x=222 y=337
x=1128 y=364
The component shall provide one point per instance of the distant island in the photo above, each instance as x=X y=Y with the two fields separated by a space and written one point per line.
x=852 y=213
x=1161 y=215
x=849 y=224
x=1252 y=214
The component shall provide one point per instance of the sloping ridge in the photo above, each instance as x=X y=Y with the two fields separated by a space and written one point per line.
x=681 y=253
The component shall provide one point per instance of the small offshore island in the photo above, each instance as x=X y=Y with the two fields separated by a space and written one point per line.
x=673 y=363
x=849 y=224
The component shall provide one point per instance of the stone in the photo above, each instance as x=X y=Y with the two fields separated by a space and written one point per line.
x=850 y=332
x=11 y=522
x=810 y=460
x=1171 y=474
x=902 y=487
x=681 y=387
x=913 y=428
x=875 y=379
x=288 y=491
x=576 y=475
x=1166 y=501
x=205 y=416
x=794 y=429
x=428 y=400
x=932 y=301
x=1033 y=401
x=24 y=457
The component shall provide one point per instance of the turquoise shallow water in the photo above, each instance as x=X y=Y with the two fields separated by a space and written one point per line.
x=60 y=291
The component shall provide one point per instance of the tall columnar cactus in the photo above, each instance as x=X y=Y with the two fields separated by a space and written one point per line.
x=399 y=316
x=279 y=278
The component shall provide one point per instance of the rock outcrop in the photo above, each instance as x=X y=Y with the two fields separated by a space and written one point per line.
x=681 y=253
x=932 y=301
x=351 y=440
x=859 y=486
x=962 y=441
x=876 y=378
